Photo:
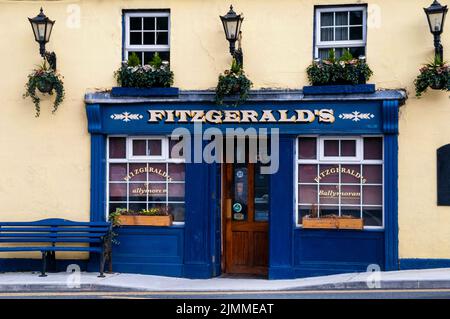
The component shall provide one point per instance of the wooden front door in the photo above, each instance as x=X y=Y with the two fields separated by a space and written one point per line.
x=245 y=215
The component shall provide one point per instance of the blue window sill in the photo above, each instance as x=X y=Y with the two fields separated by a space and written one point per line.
x=338 y=89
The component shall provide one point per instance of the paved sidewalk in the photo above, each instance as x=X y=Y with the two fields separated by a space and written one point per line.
x=407 y=279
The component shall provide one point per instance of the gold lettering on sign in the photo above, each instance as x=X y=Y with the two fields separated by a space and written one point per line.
x=241 y=116
x=337 y=170
x=144 y=170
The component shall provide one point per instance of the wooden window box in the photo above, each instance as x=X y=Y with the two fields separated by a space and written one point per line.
x=333 y=223
x=135 y=220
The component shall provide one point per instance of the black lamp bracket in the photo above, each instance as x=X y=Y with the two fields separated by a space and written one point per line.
x=237 y=53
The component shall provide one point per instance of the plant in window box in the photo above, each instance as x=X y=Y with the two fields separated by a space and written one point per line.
x=233 y=82
x=47 y=81
x=346 y=70
x=156 y=216
x=434 y=75
x=154 y=79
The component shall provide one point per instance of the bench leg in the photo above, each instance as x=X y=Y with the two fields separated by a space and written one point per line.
x=44 y=264
x=102 y=264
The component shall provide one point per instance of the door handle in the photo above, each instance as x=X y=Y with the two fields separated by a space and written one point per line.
x=228 y=208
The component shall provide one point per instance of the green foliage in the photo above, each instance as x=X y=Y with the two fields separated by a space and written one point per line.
x=155 y=74
x=435 y=75
x=346 y=70
x=47 y=81
x=233 y=82
x=133 y=60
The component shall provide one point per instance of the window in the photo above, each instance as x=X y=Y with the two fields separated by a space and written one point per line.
x=142 y=175
x=341 y=176
x=147 y=33
x=339 y=29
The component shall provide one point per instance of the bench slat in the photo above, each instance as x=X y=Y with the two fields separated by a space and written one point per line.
x=12 y=235
x=89 y=249
x=55 y=222
x=53 y=229
x=50 y=240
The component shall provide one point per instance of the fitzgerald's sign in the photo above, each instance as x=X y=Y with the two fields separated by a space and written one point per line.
x=241 y=116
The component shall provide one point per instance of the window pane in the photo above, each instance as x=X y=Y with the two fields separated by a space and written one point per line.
x=137 y=192
x=341 y=33
x=149 y=23
x=323 y=54
x=176 y=172
x=350 y=174
x=157 y=192
x=326 y=19
x=373 y=174
x=162 y=38
x=307 y=148
x=373 y=148
x=177 y=154
x=135 y=23
x=261 y=193
x=177 y=211
x=117 y=147
x=342 y=18
x=328 y=211
x=176 y=192
x=327 y=34
x=351 y=211
x=149 y=38
x=373 y=216
x=136 y=207
x=356 y=17
x=304 y=210
x=148 y=56
x=329 y=173
x=138 y=172
x=114 y=206
x=350 y=195
x=139 y=147
x=117 y=172
x=135 y=38
x=307 y=173
x=348 y=148
x=162 y=23
x=328 y=194
x=154 y=147
x=357 y=51
x=331 y=148
x=117 y=192
x=356 y=33
x=307 y=194
x=157 y=172
x=372 y=195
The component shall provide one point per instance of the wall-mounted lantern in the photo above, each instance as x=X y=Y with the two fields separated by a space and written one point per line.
x=436 y=17
x=42 y=28
x=232 y=27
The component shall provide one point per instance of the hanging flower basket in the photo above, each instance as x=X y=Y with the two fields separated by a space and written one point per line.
x=47 y=81
x=434 y=75
x=233 y=83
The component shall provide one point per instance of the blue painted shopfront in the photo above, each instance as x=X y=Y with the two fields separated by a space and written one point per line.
x=193 y=250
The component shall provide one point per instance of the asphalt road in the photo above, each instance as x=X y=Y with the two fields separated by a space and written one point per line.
x=324 y=294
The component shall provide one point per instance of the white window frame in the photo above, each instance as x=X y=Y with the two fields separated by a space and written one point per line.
x=321 y=148
x=318 y=44
x=145 y=47
x=164 y=148
x=129 y=159
x=342 y=161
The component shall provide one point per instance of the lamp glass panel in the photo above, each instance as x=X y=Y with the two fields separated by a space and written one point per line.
x=231 y=27
x=35 y=31
x=41 y=31
x=49 y=31
x=436 y=21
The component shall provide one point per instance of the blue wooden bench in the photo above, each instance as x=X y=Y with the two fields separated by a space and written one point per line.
x=43 y=235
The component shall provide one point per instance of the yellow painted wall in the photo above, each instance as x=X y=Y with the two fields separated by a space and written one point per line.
x=45 y=161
